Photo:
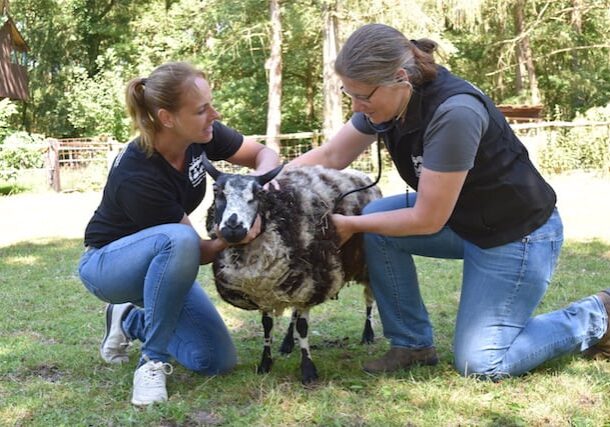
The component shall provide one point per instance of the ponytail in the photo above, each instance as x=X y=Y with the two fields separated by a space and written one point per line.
x=163 y=89
x=142 y=119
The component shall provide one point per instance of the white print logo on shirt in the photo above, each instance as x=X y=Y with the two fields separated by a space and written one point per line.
x=118 y=158
x=417 y=162
x=196 y=171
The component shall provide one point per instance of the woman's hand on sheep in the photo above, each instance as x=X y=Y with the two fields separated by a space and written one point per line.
x=273 y=184
x=252 y=234
x=343 y=227
x=254 y=231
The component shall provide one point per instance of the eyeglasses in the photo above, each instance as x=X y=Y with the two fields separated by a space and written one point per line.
x=361 y=98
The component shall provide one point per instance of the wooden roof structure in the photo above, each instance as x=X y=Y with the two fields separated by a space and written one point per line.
x=13 y=73
x=522 y=113
x=16 y=35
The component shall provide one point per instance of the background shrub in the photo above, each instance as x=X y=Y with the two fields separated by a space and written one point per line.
x=579 y=148
x=20 y=150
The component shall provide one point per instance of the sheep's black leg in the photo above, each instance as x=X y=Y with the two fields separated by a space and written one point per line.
x=266 y=360
x=288 y=342
x=309 y=372
x=368 y=335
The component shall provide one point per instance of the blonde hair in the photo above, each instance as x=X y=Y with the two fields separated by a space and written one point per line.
x=374 y=52
x=162 y=89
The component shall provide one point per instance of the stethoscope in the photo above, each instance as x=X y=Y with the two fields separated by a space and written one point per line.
x=380 y=136
x=381 y=129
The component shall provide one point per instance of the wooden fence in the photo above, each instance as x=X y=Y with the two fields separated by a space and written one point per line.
x=76 y=153
x=81 y=152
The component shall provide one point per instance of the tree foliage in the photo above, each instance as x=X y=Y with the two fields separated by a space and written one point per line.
x=83 y=52
x=571 y=61
x=7 y=110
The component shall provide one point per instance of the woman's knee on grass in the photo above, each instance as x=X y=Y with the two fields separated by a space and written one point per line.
x=479 y=363
x=208 y=363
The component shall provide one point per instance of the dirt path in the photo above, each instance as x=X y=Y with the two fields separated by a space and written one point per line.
x=584 y=204
x=583 y=200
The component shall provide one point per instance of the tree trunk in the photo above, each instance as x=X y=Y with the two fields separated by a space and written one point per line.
x=577 y=6
x=576 y=23
x=520 y=62
x=333 y=114
x=274 y=65
x=310 y=95
x=525 y=55
x=519 y=69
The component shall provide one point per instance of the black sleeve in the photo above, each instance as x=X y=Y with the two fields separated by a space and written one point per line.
x=224 y=143
x=147 y=204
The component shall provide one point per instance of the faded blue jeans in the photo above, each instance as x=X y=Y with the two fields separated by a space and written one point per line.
x=495 y=333
x=156 y=269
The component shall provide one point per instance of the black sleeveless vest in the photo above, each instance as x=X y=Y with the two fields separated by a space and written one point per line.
x=504 y=197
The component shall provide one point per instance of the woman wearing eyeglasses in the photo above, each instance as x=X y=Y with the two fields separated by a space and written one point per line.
x=477 y=197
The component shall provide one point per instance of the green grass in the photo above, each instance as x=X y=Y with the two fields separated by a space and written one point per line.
x=51 y=373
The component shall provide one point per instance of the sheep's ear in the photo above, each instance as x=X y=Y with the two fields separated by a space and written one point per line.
x=209 y=167
x=265 y=178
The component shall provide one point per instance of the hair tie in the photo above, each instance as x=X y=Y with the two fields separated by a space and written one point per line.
x=415 y=43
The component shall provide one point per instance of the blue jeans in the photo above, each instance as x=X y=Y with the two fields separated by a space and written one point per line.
x=495 y=333
x=156 y=269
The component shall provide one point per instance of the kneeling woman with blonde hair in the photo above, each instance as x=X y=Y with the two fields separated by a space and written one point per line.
x=142 y=253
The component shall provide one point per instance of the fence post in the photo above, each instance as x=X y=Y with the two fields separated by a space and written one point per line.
x=53 y=159
x=315 y=139
x=113 y=149
x=607 y=149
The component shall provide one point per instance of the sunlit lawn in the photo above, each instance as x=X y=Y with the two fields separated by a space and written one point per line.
x=51 y=373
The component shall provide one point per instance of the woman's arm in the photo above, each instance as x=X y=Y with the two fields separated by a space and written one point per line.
x=339 y=152
x=451 y=143
x=208 y=249
x=255 y=155
x=436 y=197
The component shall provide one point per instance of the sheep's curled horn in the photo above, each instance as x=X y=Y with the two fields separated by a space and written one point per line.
x=260 y=179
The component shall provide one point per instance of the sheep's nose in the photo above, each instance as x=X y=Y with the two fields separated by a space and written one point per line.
x=232 y=221
x=232 y=230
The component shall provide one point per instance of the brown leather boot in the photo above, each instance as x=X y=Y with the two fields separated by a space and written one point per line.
x=401 y=358
x=601 y=350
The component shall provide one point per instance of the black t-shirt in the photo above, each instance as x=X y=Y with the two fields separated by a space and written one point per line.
x=142 y=191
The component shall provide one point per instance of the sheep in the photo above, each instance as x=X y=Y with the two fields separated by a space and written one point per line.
x=296 y=261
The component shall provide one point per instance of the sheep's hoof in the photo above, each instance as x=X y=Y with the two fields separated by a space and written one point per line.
x=309 y=373
x=368 y=335
x=265 y=366
x=287 y=345
x=367 y=338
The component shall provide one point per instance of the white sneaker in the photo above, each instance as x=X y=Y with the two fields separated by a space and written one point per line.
x=115 y=343
x=149 y=383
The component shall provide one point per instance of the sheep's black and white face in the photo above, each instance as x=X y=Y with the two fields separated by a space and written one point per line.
x=236 y=200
